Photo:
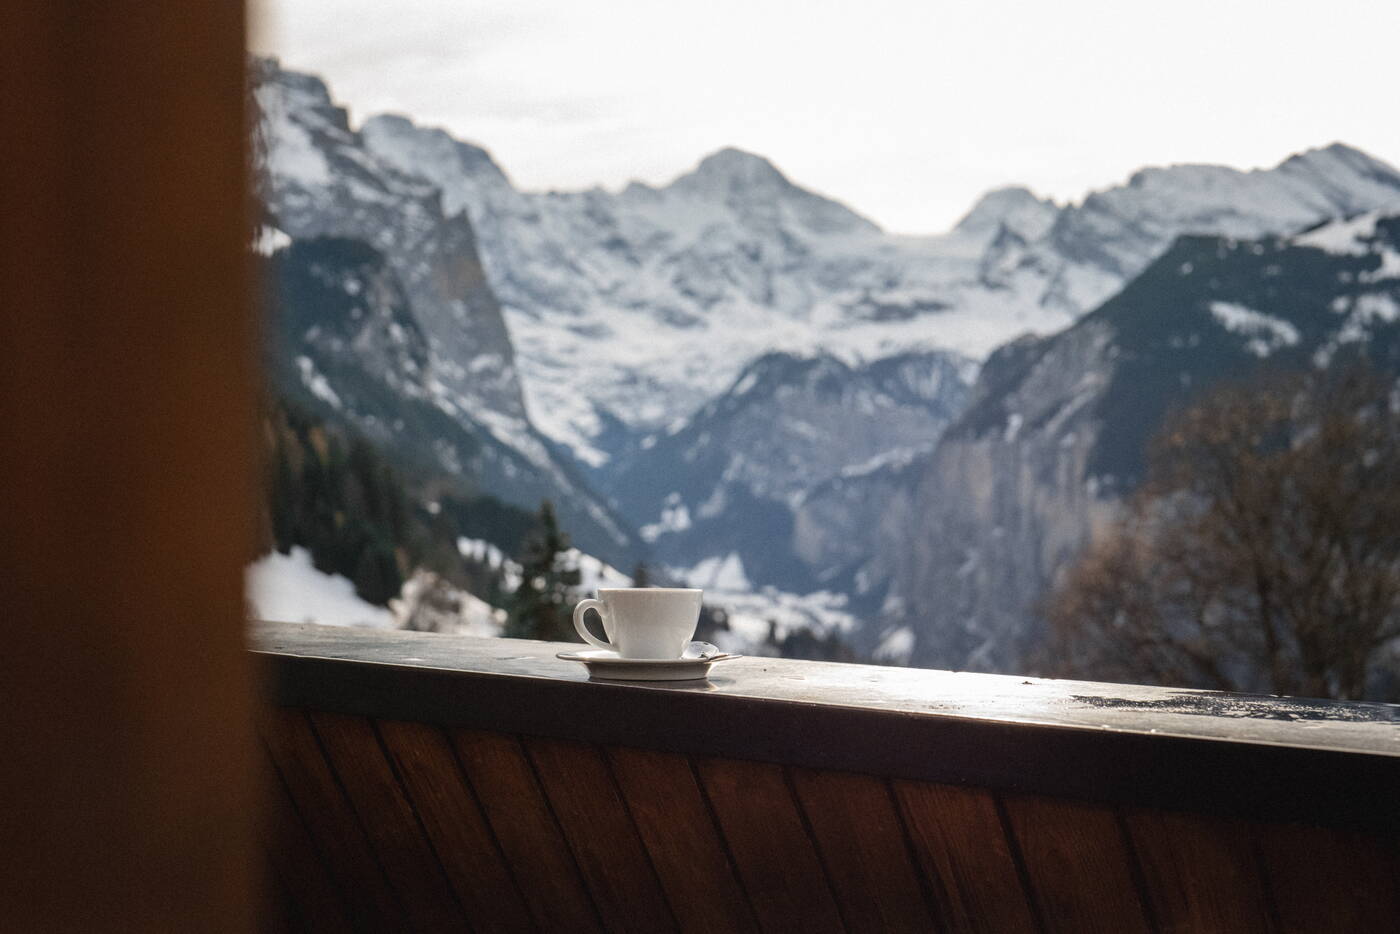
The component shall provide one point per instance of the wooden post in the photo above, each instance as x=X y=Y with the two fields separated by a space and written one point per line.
x=126 y=463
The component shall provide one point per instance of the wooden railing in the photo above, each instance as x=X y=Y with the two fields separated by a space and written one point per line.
x=426 y=782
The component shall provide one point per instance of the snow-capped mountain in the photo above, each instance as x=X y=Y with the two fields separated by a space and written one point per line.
x=728 y=485
x=723 y=355
x=385 y=319
x=320 y=180
x=1055 y=433
x=1094 y=247
x=631 y=309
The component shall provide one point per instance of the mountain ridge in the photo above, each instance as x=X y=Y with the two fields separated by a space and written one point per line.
x=713 y=282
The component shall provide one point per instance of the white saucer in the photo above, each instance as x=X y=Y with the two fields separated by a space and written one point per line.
x=607 y=665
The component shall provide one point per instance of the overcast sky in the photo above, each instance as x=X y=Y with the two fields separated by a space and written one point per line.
x=906 y=110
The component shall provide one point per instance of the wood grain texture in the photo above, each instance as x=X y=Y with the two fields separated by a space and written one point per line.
x=962 y=848
x=393 y=829
x=331 y=821
x=558 y=835
x=277 y=911
x=680 y=836
x=529 y=835
x=601 y=835
x=826 y=690
x=863 y=845
x=1178 y=750
x=455 y=825
x=1081 y=871
x=300 y=869
x=1200 y=874
x=775 y=857
x=127 y=787
x=1326 y=880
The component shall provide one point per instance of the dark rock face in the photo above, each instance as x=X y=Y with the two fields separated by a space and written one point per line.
x=1054 y=434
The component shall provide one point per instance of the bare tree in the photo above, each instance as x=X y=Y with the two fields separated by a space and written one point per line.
x=1261 y=553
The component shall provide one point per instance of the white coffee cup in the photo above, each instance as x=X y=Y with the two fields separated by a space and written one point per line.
x=643 y=622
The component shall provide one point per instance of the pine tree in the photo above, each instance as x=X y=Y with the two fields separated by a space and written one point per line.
x=377 y=578
x=333 y=493
x=641 y=577
x=542 y=605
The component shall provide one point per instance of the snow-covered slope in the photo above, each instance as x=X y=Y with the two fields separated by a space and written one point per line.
x=631 y=309
x=1114 y=233
x=288 y=588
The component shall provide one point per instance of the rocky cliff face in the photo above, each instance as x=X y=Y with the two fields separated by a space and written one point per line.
x=320 y=180
x=386 y=320
x=1055 y=432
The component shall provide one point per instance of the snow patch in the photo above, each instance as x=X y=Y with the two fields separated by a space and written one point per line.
x=483 y=552
x=1367 y=311
x=292 y=155
x=757 y=620
x=594 y=573
x=745 y=384
x=896 y=647
x=428 y=603
x=288 y=588
x=675 y=517
x=1343 y=238
x=316 y=382
x=269 y=240
x=719 y=573
x=895 y=458
x=1013 y=427
x=1265 y=333
x=1389 y=268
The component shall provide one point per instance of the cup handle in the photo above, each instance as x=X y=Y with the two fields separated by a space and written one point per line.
x=583 y=607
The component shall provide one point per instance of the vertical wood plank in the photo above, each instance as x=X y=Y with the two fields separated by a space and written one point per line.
x=680 y=835
x=775 y=857
x=1200 y=872
x=960 y=844
x=863 y=844
x=1080 y=868
x=455 y=825
x=330 y=820
x=278 y=913
x=601 y=835
x=412 y=867
x=294 y=859
x=1328 y=880
x=529 y=836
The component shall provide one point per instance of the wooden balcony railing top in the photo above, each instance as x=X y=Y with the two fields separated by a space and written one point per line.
x=432 y=781
x=1200 y=750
